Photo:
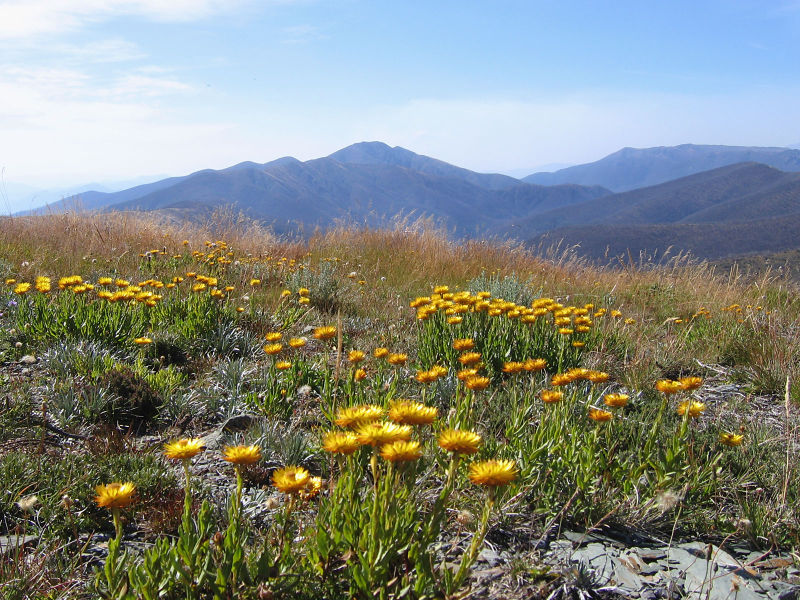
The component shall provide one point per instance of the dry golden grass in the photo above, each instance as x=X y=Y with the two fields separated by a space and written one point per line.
x=410 y=258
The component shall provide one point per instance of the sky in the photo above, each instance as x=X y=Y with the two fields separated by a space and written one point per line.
x=112 y=90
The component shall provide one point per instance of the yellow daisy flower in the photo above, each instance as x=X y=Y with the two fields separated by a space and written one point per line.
x=412 y=413
x=355 y=356
x=397 y=359
x=668 y=386
x=340 y=442
x=459 y=441
x=325 y=333
x=242 y=455
x=378 y=434
x=600 y=416
x=616 y=400
x=352 y=416
x=291 y=480
x=401 y=451
x=184 y=448
x=690 y=383
x=492 y=473
x=477 y=382
x=694 y=408
x=551 y=396
x=115 y=495
x=463 y=344
x=731 y=439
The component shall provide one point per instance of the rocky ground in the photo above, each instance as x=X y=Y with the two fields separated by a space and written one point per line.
x=609 y=562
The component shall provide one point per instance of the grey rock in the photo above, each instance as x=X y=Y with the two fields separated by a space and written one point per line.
x=680 y=558
x=625 y=578
x=10 y=543
x=487 y=555
x=651 y=569
x=599 y=559
x=703 y=581
x=237 y=423
x=484 y=576
x=650 y=554
x=706 y=551
x=588 y=536
x=213 y=439
x=786 y=591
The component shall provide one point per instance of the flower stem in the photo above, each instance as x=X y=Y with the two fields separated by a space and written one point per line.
x=477 y=541
x=187 y=497
x=117 y=523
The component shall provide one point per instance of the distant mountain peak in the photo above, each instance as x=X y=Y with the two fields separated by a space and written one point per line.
x=632 y=168
x=379 y=153
x=367 y=153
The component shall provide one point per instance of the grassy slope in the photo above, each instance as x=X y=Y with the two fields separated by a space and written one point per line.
x=678 y=319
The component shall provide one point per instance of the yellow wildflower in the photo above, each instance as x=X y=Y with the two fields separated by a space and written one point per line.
x=291 y=480
x=325 y=333
x=492 y=473
x=464 y=344
x=397 y=359
x=352 y=416
x=340 y=442
x=184 y=448
x=412 y=413
x=380 y=433
x=596 y=414
x=615 y=400
x=401 y=451
x=694 y=408
x=731 y=439
x=668 y=386
x=355 y=356
x=115 y=495
x=459 y=441
x=551 y=396
x=242 y=455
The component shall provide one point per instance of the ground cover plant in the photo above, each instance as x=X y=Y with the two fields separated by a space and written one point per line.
x=196 y=412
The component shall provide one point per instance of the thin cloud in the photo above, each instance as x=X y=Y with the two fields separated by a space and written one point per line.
x=143 y=85
x=20 y=19
x=302 y=34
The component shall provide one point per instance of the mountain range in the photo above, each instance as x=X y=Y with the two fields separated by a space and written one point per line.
x=364 y=184
x=632 y=168
x=711 y=200
x=737 y=209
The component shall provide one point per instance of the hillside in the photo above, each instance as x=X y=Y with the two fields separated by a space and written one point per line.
x=732 y=193
x=235 y=403
x=365 y=184
x=378 y=153
x=703 y=240
x=632 y=168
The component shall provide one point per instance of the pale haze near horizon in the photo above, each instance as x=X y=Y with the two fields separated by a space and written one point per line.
x=112 y=90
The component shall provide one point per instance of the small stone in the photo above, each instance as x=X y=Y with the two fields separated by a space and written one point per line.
x=625 y=577
x=28 y=359
x=650 y=554
x=237 y=423
x=487 y=555
x=650 y=569
x=775 y=563
x=10 y=543
x=789 y=592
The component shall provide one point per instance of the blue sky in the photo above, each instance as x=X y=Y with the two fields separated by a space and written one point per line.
x=101 y=90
